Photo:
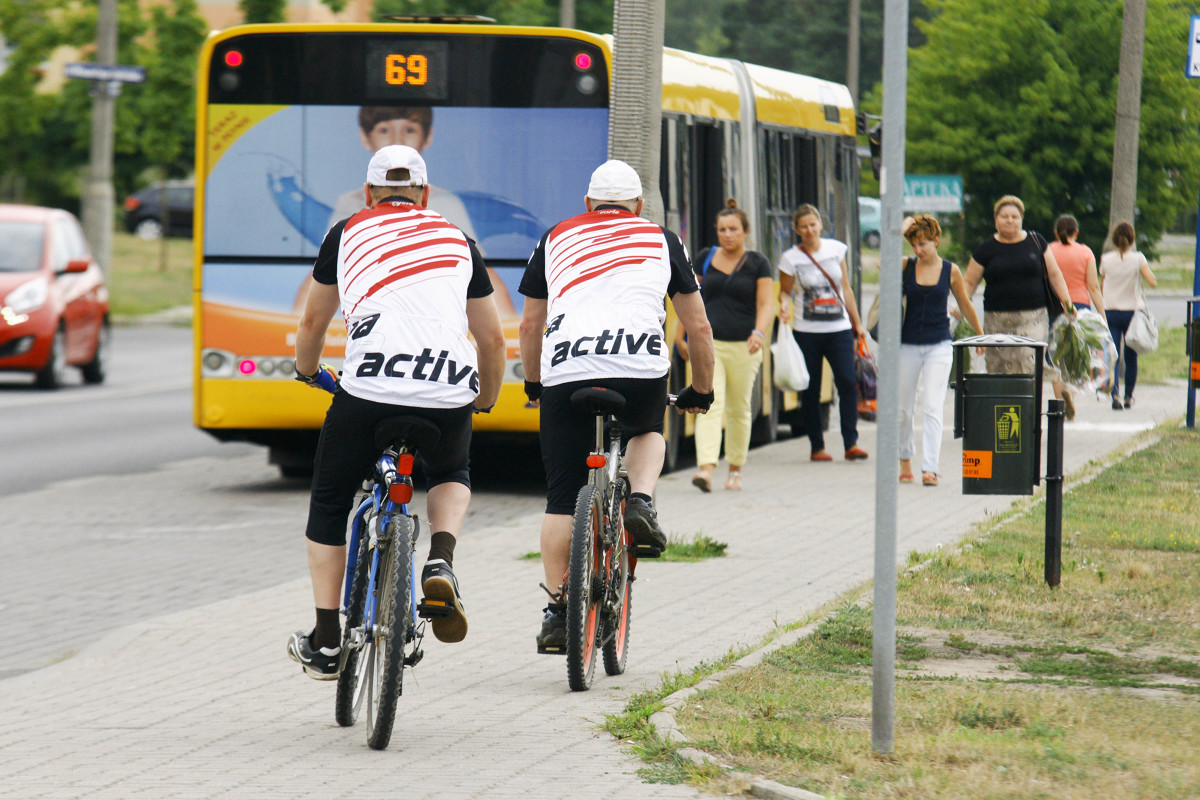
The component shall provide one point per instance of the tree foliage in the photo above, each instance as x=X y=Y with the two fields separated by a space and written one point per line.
x=262 y=10
x=590 y=15
x=1025 y=104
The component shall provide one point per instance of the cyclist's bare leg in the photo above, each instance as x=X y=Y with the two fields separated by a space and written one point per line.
x=446 y=507
x=326 y=566
x=556 y=548
x=644 y=461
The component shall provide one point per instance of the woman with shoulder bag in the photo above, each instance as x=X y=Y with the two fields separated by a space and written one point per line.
x=825 y=323
x=1121 y=274
x=735 y=284
x=1016 y=265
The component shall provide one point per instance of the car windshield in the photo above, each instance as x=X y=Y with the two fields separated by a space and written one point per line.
x=21 y=246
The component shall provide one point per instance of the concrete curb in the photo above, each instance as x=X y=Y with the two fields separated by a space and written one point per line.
x=668 y=729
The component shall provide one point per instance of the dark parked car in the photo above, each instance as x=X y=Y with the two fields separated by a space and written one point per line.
x=53 y=301
x=144 y=210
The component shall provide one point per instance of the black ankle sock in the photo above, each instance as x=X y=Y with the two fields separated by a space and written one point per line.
x=441 y=545
x=640 y=496
x=328 y=632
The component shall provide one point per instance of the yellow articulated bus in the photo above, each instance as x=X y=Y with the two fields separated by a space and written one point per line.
x=511 y=122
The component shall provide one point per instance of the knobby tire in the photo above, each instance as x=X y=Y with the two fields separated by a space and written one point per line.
x=619 y=589
x=395 y=617
x=349 y=699
x=583 y=579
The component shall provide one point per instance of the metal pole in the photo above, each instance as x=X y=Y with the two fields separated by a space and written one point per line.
x=887 y=467
x=566 y=14
x=98 y=198
x=635 y=105
x=1054 y=490
x=1193 y=357
x=853 y=50
x=1129 y=101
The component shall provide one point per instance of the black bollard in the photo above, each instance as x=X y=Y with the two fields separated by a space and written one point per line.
x=1055 y=415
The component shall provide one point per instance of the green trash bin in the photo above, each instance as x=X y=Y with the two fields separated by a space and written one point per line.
x=999 y=419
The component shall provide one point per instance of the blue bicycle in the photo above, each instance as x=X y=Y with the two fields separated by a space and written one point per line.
x=383 y=626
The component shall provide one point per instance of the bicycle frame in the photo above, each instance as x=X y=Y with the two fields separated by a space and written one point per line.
x=608 y=444
x=374 y=514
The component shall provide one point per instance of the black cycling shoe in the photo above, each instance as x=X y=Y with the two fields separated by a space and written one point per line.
x=553 y=636
x=443 y=605
x=322 y=663
x=641 y=520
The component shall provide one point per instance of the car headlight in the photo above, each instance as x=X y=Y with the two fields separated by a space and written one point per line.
x=28 y=296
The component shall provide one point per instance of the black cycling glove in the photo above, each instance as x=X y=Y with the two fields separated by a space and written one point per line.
x=533 y=390
x=690 y=398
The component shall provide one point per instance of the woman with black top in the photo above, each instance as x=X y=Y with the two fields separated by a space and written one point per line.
x=1012 y=262
x=925 y=351
x=736 y=286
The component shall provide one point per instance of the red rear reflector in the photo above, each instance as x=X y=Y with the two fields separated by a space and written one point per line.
x=404 y=464
x=595 y=461
x=400 y=492
x=132 y=203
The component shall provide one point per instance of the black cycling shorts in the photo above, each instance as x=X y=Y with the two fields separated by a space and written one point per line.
x=568 y=435
x=346 y=455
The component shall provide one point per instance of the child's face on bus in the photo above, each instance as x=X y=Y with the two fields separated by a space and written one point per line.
x=397 y=131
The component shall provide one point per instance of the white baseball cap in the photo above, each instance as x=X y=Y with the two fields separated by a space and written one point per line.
x=615 y=180
x=397 y=156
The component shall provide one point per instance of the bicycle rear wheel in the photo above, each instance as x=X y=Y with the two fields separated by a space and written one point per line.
x=583 y=588
x=393 y=622
x=619 y=587
x=349 y=699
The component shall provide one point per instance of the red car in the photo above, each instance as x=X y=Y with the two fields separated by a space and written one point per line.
x=53 y=301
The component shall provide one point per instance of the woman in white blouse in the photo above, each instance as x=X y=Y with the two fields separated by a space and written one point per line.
x=1121 y=273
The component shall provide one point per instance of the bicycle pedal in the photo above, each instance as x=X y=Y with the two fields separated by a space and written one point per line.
x=435 y=609
x=646 y=551
x=414 y=658
x=553 y=650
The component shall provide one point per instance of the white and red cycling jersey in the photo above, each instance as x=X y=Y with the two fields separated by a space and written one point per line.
x=604 y=275
x=404 y=275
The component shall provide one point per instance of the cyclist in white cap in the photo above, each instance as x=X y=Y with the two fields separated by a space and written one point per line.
x=594 y=315
x=410 y=286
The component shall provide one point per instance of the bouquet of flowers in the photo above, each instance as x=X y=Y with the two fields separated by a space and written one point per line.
x=1082 y=350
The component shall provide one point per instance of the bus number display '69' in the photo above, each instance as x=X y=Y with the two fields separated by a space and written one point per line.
x=414 y=70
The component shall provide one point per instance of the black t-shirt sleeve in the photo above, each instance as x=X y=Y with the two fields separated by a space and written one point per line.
x=683 y=276
x=325 y=267
x=481 y=283
x=759 y=266
x=983 y=253
x=533 y=283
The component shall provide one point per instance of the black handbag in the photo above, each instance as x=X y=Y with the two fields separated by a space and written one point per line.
x=1054 y=306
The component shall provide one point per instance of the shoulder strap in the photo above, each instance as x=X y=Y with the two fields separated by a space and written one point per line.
x=836 y=293
x=707 y=261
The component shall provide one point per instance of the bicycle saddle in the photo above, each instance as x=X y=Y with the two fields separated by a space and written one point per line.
x=417 y=433
x=597 y=400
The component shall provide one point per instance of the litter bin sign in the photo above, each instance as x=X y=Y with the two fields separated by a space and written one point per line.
x=998 y=418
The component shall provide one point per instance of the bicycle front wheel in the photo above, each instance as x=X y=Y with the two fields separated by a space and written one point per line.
x=619 y=586
x=583 y=588
x=354 y=638
x=393 y=622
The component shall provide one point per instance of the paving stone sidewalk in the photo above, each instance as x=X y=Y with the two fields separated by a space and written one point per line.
x=205 y=704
